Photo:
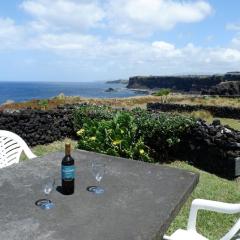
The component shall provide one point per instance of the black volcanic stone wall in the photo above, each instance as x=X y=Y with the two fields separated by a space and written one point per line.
x=39 y=127
x=213 y=148
x=226 y=112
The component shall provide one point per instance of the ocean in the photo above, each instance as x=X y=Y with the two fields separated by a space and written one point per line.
x=24 y=91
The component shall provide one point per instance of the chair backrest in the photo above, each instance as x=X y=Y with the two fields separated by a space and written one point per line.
x=11 y=147
x=234 y=233
x=215 y=206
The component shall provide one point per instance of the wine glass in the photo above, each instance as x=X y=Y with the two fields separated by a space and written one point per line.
x=98 y=170
x=47 y=188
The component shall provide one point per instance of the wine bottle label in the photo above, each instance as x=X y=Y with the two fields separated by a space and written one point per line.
x=68 y=172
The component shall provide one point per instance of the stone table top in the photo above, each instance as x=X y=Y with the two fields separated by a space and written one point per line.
x=139 y=203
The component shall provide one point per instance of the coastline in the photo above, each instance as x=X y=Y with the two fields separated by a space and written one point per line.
x=26 y=91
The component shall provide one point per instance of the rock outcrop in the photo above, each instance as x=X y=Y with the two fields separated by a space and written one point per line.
x=231 y=88
x=110 y=90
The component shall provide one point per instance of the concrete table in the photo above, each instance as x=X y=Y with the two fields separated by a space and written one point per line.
x=139 y=203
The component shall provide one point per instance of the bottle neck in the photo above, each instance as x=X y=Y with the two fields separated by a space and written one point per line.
x=67 y=149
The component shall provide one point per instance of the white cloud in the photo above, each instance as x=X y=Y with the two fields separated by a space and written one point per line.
x=63 y=14
x=233 y=26
x=236 y=42
x=163 y=46
x=63 y=28
x=141 y=17
x=11 y=35
x=224 y=55
x=146 y=16
x=63 y=42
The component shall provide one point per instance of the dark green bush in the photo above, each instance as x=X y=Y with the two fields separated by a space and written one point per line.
x=163 y=93
x=115 y=137
x=88 y=113
x=134 y=134
x=43 y=103
x=162 y=131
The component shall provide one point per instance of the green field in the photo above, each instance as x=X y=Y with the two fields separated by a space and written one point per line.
x=211 y=187
x=207 y=116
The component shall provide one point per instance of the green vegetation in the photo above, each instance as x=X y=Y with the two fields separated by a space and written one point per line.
x=233 y=123
x=207 y=116
x=133 y=134
x=203 y=100
x=129 y=102
x=212 y=225
x=43 y=104
x=162 y=131
x=163 y=93
x=116 y=137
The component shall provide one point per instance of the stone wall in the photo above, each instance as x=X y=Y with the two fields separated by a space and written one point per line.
x=226 y=112
x=213 y=148
x=39 y=127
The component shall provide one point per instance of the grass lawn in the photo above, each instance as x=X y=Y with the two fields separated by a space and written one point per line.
x=207 y=116
x=203 y=100
x=212 y=225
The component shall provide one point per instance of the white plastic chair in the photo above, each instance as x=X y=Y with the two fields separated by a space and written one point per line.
x=11 y=147
x=197 y=204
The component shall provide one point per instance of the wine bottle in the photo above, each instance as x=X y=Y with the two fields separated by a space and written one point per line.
x=68 y=171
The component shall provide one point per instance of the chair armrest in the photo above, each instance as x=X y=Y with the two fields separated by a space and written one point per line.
x=209 y=205
x=165 y=237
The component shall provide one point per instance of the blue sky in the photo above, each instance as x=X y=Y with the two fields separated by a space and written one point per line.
x=88 y=40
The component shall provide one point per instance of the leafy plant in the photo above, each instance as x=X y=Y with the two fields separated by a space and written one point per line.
x=115 y=137
x=43 y=103
x=164 y=94
x=133 y=134
x=89 y=113
x=162 y=131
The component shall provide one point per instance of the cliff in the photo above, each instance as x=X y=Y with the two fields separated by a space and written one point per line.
x=229 y=88
x=182 y=83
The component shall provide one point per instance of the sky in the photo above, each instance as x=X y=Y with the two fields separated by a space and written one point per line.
x=91 y=40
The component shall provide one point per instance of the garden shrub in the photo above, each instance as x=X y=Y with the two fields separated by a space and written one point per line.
x=116 y=137
x=86 y=113
x=163 y=93
x=43 y=103
x=162 y=131
x=136 y=134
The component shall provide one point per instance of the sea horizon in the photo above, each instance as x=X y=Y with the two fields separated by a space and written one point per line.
x=28 y=90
